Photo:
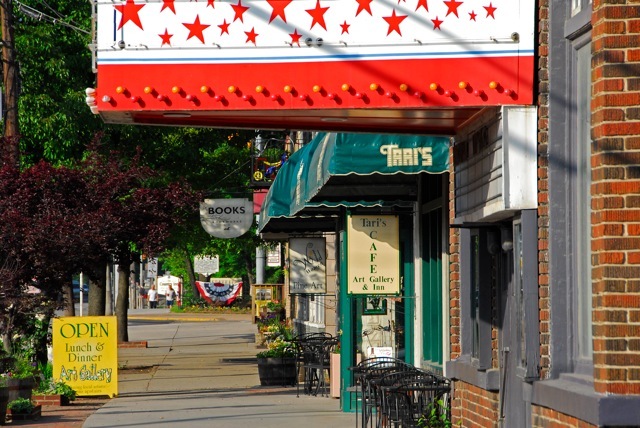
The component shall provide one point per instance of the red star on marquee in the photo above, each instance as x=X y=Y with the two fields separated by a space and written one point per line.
x=278 y=9
x=210 y=3
x=394 y=22
x=345 y=27
x=239 y=9
x=295 y=37
x=472 y=16
x=423 y=3
x=129 y=12
x=166 y=38
x=364 y=5
x=490 y=9
x=168 y=4
x=453 y=7
x=436 y=24
x=196 y=29
x=318 y=15
x=251 y=36
x=224 y=27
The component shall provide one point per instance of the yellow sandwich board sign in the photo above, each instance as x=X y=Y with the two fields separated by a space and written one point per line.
x=85 y=354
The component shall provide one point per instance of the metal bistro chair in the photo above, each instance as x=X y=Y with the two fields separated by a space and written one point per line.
x=387 y=417
x=417 y=396
x=305 y=347
x=317 y=368
x=357 y=374
x=371 y=391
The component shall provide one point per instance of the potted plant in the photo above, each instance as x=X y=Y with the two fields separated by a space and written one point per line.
x=277 y=364
x=52 y=392
x=22 y=408
x=276 y=307
x=4 y=398
x=21 y=378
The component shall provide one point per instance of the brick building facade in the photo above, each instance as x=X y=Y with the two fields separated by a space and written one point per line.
x=587 y=231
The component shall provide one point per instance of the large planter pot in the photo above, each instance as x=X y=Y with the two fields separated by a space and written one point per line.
x=334 y=370
x=4 y=400
x=277 y=371
x=20 y=388
x=51 y=400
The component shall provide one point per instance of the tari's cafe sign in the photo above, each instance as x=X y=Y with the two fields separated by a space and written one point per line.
x=85 y=354
x=226 y=218
x=373 y=254
x=308 y=266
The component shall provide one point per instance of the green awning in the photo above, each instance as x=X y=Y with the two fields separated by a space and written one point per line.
x=346 y=170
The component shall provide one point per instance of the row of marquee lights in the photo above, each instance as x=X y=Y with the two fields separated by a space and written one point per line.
x=317 y=89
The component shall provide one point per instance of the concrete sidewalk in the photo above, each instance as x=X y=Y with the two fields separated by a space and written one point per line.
x=200 y=371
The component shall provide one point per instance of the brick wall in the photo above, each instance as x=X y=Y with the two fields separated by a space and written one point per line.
x=616 y=195
x=543 y=187
x=474 y=407
x=543 y=417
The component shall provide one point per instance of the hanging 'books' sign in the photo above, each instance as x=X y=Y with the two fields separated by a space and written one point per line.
x=373 y=254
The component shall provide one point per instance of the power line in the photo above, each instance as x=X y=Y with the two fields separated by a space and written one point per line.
x=41 y=16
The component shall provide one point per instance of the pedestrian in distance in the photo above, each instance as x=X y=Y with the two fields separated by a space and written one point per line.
x=153 y=297
x=142 y=294
x=171 y=296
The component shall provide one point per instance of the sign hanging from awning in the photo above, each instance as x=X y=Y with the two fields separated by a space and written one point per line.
x=308 y=259
x=373 y=254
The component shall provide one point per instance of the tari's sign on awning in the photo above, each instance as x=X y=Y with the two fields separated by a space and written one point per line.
x=373 y=254
x=308 y=259
x=85 y=354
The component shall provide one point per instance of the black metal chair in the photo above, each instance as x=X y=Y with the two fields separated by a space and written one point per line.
x=416 y=399
x=305 y=346
x=317 y=366
x=371 y=371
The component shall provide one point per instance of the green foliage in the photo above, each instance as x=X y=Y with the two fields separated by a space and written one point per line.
x=275 y=305
x=60 y=388
x=23 y=368
x=279 y=341
x=21 y=405
x=436 y=416
x=50 y=386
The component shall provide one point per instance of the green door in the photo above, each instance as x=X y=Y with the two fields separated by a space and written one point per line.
x=432 y=287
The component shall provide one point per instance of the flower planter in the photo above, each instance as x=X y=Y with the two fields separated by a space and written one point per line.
x=4 y=400
x=20 y=388
x=277 y=371
x=34 y=415
x=51 y=399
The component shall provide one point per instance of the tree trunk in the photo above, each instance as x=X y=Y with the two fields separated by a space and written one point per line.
x=67 y=295
x=98 y=290
x=192 y=275
x=122 y=301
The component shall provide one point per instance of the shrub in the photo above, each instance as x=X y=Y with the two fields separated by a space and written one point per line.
x=21 y=405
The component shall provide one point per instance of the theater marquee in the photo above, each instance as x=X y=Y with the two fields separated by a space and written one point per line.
x=250 y=63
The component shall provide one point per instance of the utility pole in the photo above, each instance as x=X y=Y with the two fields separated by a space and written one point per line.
x=10 y=84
